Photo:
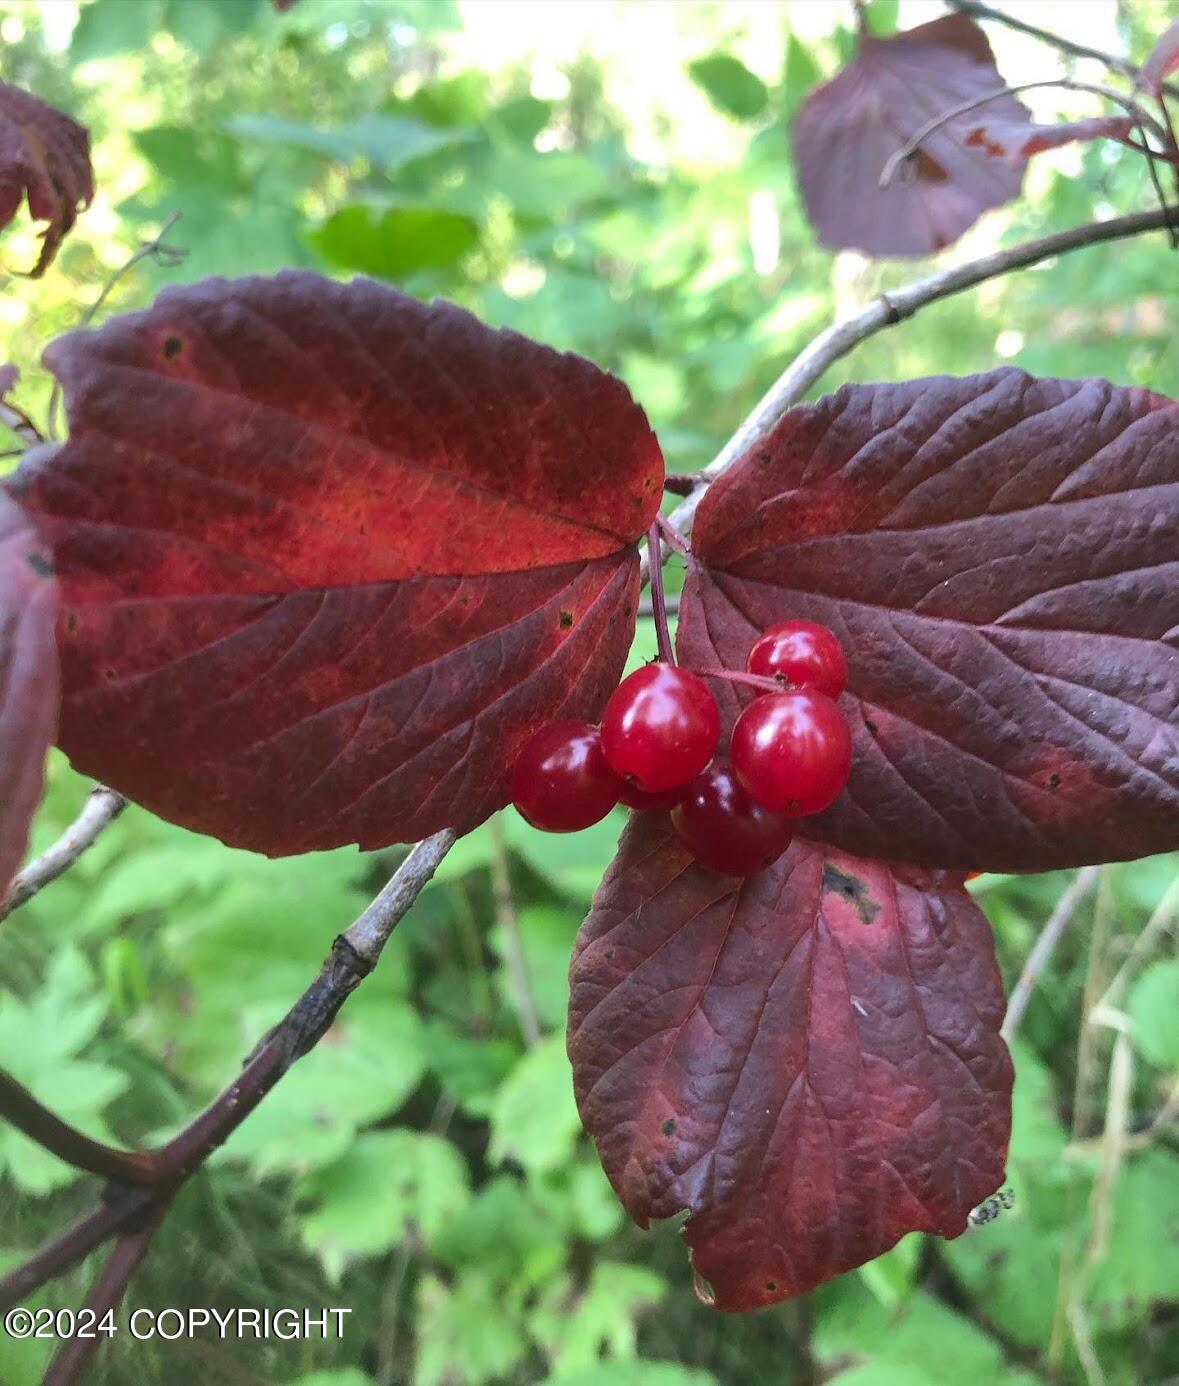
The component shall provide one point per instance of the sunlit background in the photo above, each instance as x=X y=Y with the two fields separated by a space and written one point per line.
x=613 y=178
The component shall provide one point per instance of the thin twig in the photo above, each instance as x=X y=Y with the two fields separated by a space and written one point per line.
x=75 y=1354
x=21 y=1109
x=68 y=1248
x=353 y=956
x=1115 y=63
x=508 y=918
x=658 y=604
x=1141 y=117
x=167 y=255
x=100 y=810
x=1080 y=887
x=843 y=337
x=18 y=422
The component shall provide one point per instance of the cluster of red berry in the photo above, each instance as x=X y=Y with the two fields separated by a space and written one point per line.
x=656 y=748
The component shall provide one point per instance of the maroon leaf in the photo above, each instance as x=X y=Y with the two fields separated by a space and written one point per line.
x=328 y=555
x=28 y=679
x=847 y=130
x=808 y=1061
x=1017 y=140
x=44 y=156
x=1163 y=60
x=1000 y=557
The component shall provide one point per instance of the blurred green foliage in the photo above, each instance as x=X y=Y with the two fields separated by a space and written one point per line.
x=612 y=179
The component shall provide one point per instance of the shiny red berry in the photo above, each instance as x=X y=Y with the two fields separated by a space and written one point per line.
x=792 y=751
x=723 y=828
x=561 y=782
x=806 y=655
x=634 y=797
x=660 y=727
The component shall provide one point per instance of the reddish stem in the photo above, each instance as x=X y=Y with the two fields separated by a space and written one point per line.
x=658 y=598
x=760 y=681
x=674 y=539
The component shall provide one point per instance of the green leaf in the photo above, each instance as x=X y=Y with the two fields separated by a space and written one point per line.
x=921 y=1344
x=1153 y=1005
x=572 y=862
x=546 y=935
x=201 y=158
x=730 y=85
x=639 y=1372
x=342 y=1376
x=1141 y=1265
x=470 y=1068
x=386 y=141
x=534 y=1119
x=890 y=1277
x=465 y=1333
x=450 y=101
x=800 y=74
x=882 y=16
x=387 y=1182
x=205 y=26
x=39 y=1043
x=396 y=243
x=109 y=27
x=603 y=1320
x=507 y=1231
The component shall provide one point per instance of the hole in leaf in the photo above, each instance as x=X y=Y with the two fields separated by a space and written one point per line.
x=71 y=621
x=566 y=619
x=1054 y=782
x=669 y=1127
x=172 y=347
x=40 y=565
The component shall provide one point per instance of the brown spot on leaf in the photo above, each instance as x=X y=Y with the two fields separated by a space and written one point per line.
x=853 y=890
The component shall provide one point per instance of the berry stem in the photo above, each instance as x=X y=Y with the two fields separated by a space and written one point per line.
x=658 y=599
x=766 y=684
x=675 y=540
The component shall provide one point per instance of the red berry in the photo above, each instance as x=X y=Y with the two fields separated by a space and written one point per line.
x=805 y=654
x=723 y=828
x=561 y=782
x=660 y=727
x=634 y=797
x=792 y=751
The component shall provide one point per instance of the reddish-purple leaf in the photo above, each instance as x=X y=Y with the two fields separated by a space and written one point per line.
x=1000 y=557
x=848 y=129
x=329 y=555
x=1163 y=60
x=1017 y=140
x=28 y=678
x=808 y=1061
x=44 y=157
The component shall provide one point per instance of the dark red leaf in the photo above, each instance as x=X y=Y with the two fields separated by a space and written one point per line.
x=28 y=678
x=1017 y=140
x=808 y=1061
x=1163 y=60
x=1000 y=557
x=329 y=555
x=44 y=156
x=848 y=129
